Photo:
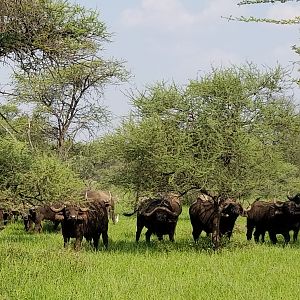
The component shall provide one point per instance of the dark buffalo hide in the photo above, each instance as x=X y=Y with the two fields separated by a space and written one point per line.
x=203 y=213
x=107 y=197
x=275 y=217
x=38 y=214
x=89 y=222
x=159 y=215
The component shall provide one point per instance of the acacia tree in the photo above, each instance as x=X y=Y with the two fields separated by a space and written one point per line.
x=69 y=97
x=219 y=134
x=34 y=33
x=59 y=71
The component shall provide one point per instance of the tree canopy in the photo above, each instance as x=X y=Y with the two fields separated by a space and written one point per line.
x=55 y=49
x=224 y=133
x=59 y=67
x=34 y=32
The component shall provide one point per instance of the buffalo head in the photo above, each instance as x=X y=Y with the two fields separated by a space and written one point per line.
x=286 y=207
x=231 y=207
x=70 y=212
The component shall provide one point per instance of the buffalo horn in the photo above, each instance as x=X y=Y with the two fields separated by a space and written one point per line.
x=278 y=205
x=57 y=210
x=161 y=209
x=83 y=209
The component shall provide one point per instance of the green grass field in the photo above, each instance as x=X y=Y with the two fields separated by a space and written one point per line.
x=36 y=266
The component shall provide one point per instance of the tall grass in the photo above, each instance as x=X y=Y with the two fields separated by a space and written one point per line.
x=38 y=267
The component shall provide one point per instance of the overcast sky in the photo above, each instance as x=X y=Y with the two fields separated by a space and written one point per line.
x=178 y=40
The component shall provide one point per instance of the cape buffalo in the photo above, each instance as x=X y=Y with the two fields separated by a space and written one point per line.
x=202 y=214
x=296 y=227
x=5 y=216
x=275 y=217
x=158 y=215
x=108 y=198
x=27 y=221
x=89 y=222
x=38 y=214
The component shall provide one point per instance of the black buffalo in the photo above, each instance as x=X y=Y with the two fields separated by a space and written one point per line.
x=38 y=214
x=107 y=197
x=296 y=226
x=89 y=222
x=203 y=214
x=275 y=217
x=5 y=216
x=27 y=220
x=158 y=215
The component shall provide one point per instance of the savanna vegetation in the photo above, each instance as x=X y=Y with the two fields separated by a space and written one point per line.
x=38 y=267
x=234 y=132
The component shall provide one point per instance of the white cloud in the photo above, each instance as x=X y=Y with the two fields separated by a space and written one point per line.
x=168 y=13
x=171 y=15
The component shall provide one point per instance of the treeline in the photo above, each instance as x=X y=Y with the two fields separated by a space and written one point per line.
x=234 y=132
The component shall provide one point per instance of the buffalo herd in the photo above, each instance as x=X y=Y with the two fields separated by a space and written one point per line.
x=159 y=215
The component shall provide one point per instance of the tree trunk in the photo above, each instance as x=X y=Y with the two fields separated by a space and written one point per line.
x=60 y=147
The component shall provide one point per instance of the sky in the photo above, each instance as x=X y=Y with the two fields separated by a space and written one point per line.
x=179 y=40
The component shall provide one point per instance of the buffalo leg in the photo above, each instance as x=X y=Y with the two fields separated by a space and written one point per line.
x=26 y=224
x=96 y=239
x=139 y=227
x=105 y=239
x=112 y=215
x=171 y=236
x=256 y=236
x=259 y=231
x=78 y=243
x=66 y=241
x=30 y=225
x=273 y=237
x=196 y=233
x=287 y=237
x=38 y=227
x=295 y=234
x=148 y=235
x=250 y=228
